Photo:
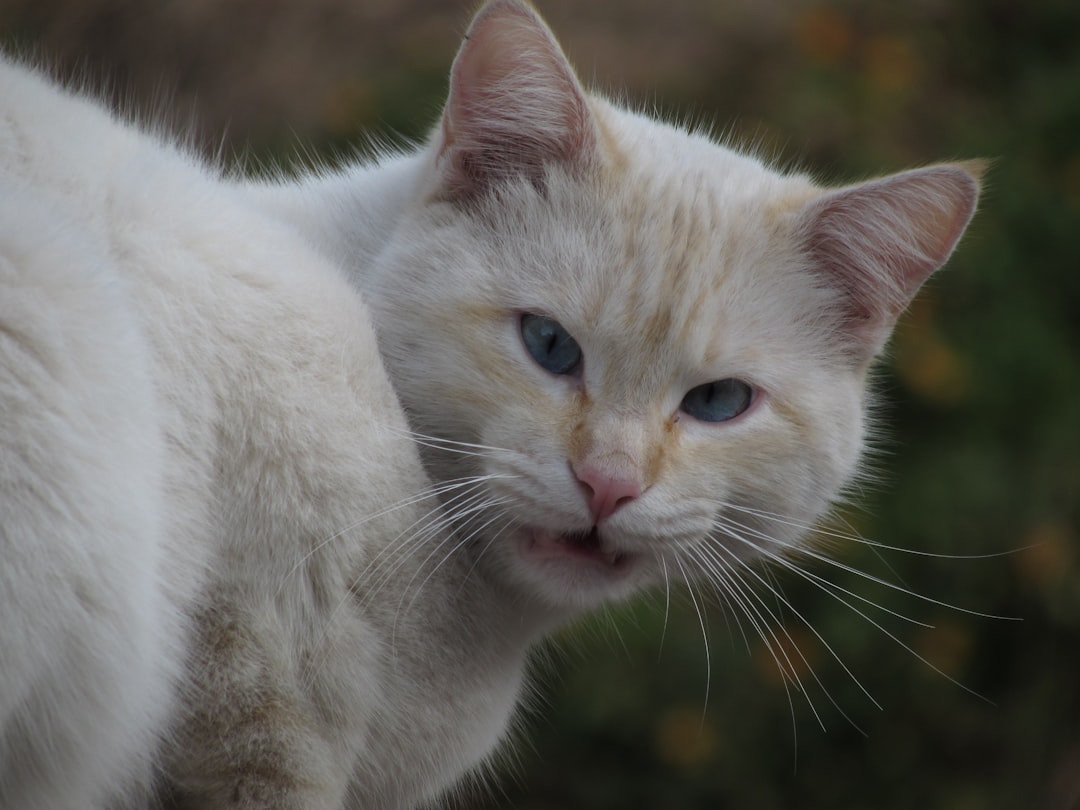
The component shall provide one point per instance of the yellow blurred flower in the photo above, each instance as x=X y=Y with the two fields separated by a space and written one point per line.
x=925 y=362
x=890 y=63
x=787 y=657
x=824 y=35
x=945 y=646
x=684 y=738
x=1046 y=554
x=349 y=106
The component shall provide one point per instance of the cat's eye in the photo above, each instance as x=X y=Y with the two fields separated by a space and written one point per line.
x=718 y=401
x=550 y=344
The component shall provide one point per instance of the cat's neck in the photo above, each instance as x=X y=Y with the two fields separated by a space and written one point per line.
x=349 y=215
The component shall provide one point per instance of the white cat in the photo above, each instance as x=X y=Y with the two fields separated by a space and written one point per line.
x=233 y=573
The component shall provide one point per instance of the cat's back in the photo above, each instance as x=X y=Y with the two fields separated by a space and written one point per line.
x=77 y=369
x=91 y=208
x=74 y=369
x=187 y=391
x=131 y=269
x=85 y=637
x=63 y=138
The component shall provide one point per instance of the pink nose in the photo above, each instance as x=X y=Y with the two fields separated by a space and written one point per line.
x=604 y=493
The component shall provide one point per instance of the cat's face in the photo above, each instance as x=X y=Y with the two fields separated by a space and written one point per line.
x=640 y=358
x=639 y=336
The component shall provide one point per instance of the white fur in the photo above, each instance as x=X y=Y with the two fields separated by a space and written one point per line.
x=197 y=428
x=226 y=580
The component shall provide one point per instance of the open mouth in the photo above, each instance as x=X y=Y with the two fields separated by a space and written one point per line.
x=586 y=547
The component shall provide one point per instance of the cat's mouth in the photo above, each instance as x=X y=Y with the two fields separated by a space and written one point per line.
x=587 y=547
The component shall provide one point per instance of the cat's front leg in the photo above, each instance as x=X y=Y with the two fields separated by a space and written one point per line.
x=250 y=738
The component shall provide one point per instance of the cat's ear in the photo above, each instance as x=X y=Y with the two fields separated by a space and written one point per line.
x=515 y=104
x=875 y=243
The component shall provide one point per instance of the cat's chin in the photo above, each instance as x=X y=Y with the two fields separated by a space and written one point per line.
x=576 y=548
x=576 y=568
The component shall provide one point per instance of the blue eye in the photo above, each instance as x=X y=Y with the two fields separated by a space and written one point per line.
x=550 y=345
x=718 y=401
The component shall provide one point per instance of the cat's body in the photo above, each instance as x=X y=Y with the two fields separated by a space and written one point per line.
x=197 y=426
x=224 y=577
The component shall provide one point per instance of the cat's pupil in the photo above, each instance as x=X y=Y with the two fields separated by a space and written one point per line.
x=549 y=344
x=718 y=401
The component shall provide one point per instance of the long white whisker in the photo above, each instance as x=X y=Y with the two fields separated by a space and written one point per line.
x=824 y=558
x=787 y=603
x=732 y=584
x=463 y=505
x=856 y=538
x=733 y=587
x=483 y=506
x=440 y=443
x=402 y=546
x=748 y=597
x=411 y=538
x=667 y=604
x=823 y=583
x=398 y=550
x=704 y=635
x=510 y=523
x=863 y=614
x=352 y=526
x=427 y=494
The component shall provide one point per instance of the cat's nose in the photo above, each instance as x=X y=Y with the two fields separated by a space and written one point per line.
x=603 y=493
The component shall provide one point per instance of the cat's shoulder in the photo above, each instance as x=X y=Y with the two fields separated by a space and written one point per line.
x=67 y=131
x=33 y=95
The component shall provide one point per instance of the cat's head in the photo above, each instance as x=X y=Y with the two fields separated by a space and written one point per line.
x=654 y=349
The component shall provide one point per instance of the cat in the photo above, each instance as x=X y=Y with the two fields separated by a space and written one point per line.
x=295 y=471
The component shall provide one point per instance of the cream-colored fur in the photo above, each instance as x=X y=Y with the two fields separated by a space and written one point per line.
x=235 y=573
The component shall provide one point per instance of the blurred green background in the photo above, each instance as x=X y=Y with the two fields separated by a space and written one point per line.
x=982 y=456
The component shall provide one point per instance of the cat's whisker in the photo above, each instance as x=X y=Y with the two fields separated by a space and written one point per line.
x=802 y=550
x=457 y=511
x=404 y=545
x=728 y=610
x=734 y=527
x=510 y=524
x=704 y=633
x=866 y=617
x=469 y=485
x=401 y=548
x=451 y=449
x=465 y=539
x=789 y=678
x=729 y=582
x=667 y=603
x=749 y=569
x=392 y=556
x=854 y=537
x=735 y=587
x=342 y=532
x=483 y=506
x=431 y=492
x=453 y=510
x=450 y=445
x=750 y=591
x=731 y=610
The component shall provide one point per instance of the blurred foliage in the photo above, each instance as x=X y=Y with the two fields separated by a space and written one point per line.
x=674 y=701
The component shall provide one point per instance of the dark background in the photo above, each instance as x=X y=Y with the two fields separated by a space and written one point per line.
x=982 y=456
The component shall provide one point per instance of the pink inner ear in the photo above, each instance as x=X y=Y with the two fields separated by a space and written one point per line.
x=877 y=242
x=515 y=104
